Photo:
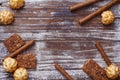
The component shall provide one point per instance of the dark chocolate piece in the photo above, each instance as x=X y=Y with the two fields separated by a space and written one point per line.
x=94 y=70
x=24 y=47
x=27 y=61
x=14 y=42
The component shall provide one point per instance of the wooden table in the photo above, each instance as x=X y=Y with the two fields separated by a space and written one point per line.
x=59 y=37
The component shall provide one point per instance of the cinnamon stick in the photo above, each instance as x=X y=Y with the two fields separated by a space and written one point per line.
x=59 y=68
x=80 y=5
x=104 y=55
x=99 y=11
x=24 y=47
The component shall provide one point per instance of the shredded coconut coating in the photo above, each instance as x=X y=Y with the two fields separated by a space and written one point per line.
x=112 y=71
x=10 y=64
x=107 y=17
x=16 y=4
x=6 y=17
x=21 y=74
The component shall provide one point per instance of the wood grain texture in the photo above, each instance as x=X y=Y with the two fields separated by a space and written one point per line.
x=59 y=37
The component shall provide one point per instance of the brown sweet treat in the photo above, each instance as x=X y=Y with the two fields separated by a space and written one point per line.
x=94 y=70
x=14 y=42
x=27 y=61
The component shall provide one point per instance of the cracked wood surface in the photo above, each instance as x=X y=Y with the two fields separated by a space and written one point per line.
x=59 y=37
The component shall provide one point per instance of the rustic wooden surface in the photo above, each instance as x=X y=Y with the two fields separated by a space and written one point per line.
x=60 y=38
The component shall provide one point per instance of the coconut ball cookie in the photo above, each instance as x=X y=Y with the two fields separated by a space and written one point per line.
x=6 y=17
x=16 y=4
x=21 y=74
x=112 y=71
x=107 y=17
x=10 y=64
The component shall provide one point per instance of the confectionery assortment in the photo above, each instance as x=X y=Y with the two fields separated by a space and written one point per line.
x=112 y=71
x=91 y=67
x=16 y=45
x=95 y=13
x=6 y=17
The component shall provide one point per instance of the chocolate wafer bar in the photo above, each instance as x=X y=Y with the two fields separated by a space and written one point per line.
x=94 y=70
x=27 y=61
x=14 y=42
